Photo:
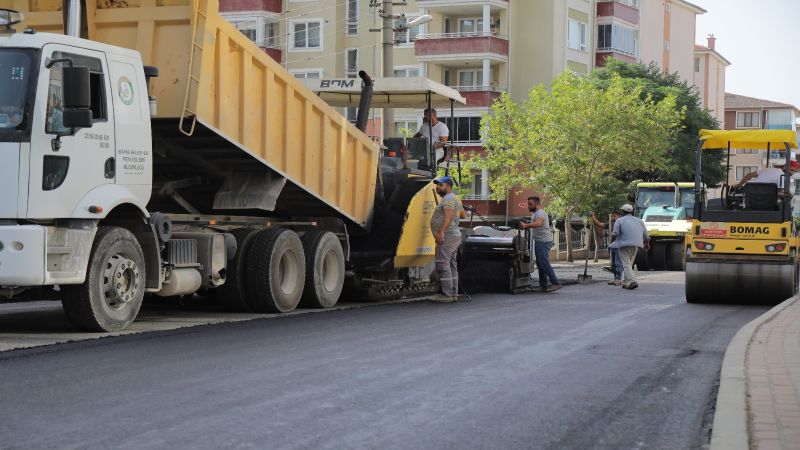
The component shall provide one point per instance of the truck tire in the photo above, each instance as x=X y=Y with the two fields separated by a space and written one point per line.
x=641 y=261
x=110 y=297
x=232 y=295
x=276 y=267
x=324 y=278
x=659 y=256
x=675 y=256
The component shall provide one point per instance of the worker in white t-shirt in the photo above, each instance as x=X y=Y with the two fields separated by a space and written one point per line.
x=440 y=132
x=769 y=175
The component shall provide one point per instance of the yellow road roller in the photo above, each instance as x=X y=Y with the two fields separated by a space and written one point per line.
x=743 y=245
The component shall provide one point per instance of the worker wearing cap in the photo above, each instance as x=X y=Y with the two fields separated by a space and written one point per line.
x=444 y=226
x=770 y=175
x=631 y=234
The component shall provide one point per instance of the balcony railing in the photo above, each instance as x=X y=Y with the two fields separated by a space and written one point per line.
x=617 y=50
x=461 y=35
x=478 y=88
x=631 y=3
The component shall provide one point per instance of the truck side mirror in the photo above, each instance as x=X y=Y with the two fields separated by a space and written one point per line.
x=77 y=97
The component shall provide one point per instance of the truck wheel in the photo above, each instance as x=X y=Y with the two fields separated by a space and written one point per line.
x=112 y=294
x=641 y=261
x=276 y=267
x=324 y=269
x=233 y=293
x=675 y=257
x=659 y=255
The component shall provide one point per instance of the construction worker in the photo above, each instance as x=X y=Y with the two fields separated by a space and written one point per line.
x=445 y=229
x=631 y=234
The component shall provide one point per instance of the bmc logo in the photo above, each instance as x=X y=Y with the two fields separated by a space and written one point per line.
x=749 y=230
x=339 y=83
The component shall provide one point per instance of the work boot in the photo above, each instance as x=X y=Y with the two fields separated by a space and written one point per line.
x=441 y=298
x=614 y=282
x=553 y=287
x=632 y=285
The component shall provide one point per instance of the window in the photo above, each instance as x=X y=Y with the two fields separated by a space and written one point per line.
x=307 y=35
x=247 y=28
x=470 y=26
x=406 y=128
x=746 y=151
x=307 y=74
x=352 y=17
x=351 y=63
x=408 y=34
x=55 y=95
x=352 y=114
x=615 y=37
x=741 y=171
x=447 y=25
x=470 y=78
x=447 y=77
x=576 y=37
x=464 y=129
x=406 y=72
x=478 y=189
x=697 y=65
x=747 y=120
x=271 y=34
x=779 y=120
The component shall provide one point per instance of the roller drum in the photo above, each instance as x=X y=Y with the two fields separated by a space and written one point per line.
x=751 y=282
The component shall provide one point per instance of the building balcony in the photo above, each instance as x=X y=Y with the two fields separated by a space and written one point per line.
x=275 y=6
x=479 y=96
x=453 y=47
x=443 y=5
x=609 y=52
x=626 y=10
x=273 y=52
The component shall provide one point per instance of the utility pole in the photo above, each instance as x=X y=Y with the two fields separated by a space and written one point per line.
x=388 y=60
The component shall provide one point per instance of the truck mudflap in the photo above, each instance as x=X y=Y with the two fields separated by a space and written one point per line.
x=22 y=255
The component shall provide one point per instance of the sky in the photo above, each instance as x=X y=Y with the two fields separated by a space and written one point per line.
x=760 y=39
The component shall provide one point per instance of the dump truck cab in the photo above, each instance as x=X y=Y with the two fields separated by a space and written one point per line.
x=742 y=244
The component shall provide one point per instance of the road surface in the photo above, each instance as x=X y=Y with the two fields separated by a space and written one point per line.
x=588 y=366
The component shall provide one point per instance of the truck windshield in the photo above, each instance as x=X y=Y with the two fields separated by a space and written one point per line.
x=687 y=201
x=16 y=73
x=655 y=196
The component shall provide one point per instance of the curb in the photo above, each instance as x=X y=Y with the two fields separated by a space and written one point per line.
x=731 y=418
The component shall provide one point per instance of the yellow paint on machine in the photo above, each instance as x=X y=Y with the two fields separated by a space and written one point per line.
x=212 y=73
x=417 y=245
x=741 y=246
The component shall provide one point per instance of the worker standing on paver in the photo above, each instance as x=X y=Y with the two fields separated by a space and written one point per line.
x=631 y=234
x=444 y=226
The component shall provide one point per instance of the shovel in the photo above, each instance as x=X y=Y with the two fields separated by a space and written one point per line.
x=586 y=279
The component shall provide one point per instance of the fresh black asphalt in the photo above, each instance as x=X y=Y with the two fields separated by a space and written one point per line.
x=589 y=366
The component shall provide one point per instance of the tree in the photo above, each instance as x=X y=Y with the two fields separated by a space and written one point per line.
x=657 y=85
x=570 y=142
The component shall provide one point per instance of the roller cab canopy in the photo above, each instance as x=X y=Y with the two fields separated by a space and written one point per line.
x=393 y=92
x=750 y=139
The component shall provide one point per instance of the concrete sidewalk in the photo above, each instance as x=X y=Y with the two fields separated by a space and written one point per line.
x=758 y=405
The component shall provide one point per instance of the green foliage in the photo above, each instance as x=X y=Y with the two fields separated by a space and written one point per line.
x=657 y=85
x=571 y=142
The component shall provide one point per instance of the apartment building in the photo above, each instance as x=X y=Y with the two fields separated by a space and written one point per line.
x=480 y=47
x=709 y=77
x=743 y=113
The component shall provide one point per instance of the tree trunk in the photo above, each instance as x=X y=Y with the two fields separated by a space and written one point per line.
x=597 y=239
x=568 y=235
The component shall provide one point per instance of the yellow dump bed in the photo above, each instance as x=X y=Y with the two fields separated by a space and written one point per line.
x=212 y=74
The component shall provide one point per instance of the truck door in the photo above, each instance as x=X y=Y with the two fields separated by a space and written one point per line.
x=61 y=175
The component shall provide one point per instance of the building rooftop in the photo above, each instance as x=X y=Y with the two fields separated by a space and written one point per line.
x=736 y=101
x=702 y=48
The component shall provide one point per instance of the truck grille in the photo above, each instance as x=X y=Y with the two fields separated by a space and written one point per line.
x=658 y=219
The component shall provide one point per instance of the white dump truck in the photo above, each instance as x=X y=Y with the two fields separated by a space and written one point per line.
x=164 y=153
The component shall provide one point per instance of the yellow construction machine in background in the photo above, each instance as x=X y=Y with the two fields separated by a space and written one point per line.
x=743 y=245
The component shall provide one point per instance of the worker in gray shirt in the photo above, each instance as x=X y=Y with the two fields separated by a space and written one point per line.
x=631 y=234
x=542 y=243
